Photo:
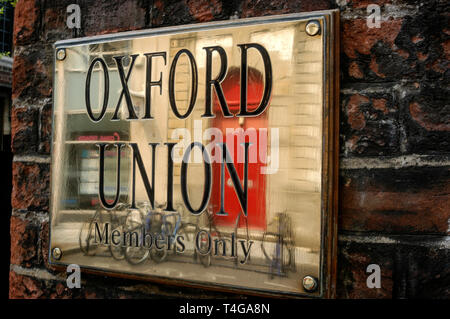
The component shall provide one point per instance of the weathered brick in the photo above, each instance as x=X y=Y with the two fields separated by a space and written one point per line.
x=358 y=42
x=99 y=17
x=43 y=245
x=423 y=38
x=410 y=200
x=369 y=124
x=358 y=38
x=33 y=72
x=24 y=242
x=270 y=7
x=24 y=130
x=413 y=47
x=54 y=24
x=26 y=21
x=426 y=117
x=24 y=287
x=354 y=70
x=413 y=268
x=30 y=186
x=45 y=128
x=170 y=12
x=395 y=82
x=29 y=287
x=204 y=11
x=353 y=260
x=95 y=287
x=358 y=4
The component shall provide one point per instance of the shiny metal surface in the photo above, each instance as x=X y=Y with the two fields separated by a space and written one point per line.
x=268 y=247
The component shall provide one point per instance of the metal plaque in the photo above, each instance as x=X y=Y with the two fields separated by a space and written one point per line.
x=203 y=155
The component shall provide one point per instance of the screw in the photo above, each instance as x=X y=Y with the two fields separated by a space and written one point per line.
x=61 y=54
x=56 y=253
x=313 y=28
x=310 y=283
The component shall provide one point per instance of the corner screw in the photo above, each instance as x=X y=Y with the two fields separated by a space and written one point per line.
x=61 y=54
x=310 y=283
x=313 y=28
x=56 y=253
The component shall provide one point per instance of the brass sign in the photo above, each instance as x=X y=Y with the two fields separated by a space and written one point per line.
x=200 y=154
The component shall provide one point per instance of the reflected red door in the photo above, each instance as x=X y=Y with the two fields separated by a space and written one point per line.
x=235 y=131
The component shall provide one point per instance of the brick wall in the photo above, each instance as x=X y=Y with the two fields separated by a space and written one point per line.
x=395 y=140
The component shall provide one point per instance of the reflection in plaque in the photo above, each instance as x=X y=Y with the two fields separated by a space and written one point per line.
x=162 y=169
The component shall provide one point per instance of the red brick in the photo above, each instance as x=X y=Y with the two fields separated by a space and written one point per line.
x=24 y=287
x=54 y=24
x=380 y=104
x=170 y=13
x=360 y=4
x=352 y=278
x=203 y=10
x=408 y=200
x=32 y=72
x=426 y=120
x=252 y=8
x=102 y=17
x=446 y=47
x=371 y=124
x=355 y=71
x=357 y=37
x=44 y=245
x=27 y=287
x=355 y=116
x=410 y=268
x=31 y=183
x=421 y=56
x=20 y=69
x=24 y=242
x=414 y=47
x=26 y=18
x=45 y=129
x=375 y=67
x=29 y=243
x=24 y=130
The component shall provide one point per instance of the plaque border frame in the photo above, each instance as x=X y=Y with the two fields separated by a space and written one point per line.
x=330 y=150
